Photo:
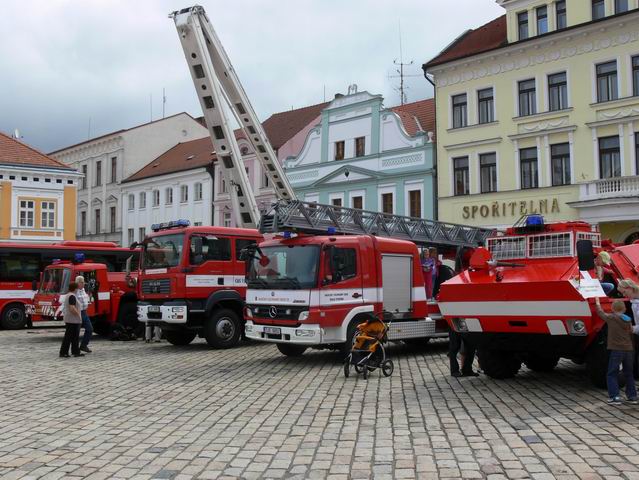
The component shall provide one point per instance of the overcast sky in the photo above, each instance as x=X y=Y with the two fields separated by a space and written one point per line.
x=63 y=62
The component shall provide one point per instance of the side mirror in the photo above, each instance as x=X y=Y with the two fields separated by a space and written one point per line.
x=34 y=285
x=585 y=255
x=128 y=265
x=134 y=245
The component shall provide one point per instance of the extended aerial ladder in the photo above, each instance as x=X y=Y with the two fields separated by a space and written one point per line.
x=218 y=85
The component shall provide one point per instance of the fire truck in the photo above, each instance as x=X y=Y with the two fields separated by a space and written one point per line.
x=112 y=294
x=528 y=297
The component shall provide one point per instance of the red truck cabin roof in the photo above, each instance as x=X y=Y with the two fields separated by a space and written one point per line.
x=390 y=245
x=232 y=232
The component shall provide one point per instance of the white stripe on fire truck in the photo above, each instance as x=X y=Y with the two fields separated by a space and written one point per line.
x=11 y=294
x=317 y=297
x=517 y=309
x=214 y=280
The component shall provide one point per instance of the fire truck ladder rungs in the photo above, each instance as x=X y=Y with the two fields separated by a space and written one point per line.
x=307 y=217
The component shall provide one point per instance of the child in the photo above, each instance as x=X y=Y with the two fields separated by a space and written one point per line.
x=621 y=351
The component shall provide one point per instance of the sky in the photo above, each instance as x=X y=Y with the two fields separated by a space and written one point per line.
x=75 y=69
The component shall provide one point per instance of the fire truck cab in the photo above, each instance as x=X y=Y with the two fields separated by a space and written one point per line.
x=112 y=297
x=312 y=291
x=528 y=297
x=192 y=282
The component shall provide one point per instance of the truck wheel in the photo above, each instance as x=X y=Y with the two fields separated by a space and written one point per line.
x=13 y=317
x=223 y=329
x=345 y=348
x=179 y=337
x=538 y=363
x=498 y=364
x=597 y=362
x=291 y=350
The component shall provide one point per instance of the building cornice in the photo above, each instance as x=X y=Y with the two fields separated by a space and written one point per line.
x=475 y=143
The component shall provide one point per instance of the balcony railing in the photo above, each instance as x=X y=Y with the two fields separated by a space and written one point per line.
x=617 y=187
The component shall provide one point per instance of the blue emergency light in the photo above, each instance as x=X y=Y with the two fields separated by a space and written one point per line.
x=78 y=257
x=331 y=230
x=534 y=221
x=156 y=227
x=287 y=235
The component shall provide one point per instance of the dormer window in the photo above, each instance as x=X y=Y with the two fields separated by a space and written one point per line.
x=522 y=21
x=542 y=20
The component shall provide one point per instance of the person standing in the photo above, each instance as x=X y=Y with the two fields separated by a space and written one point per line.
x=435 y=271
x=152 y=333
x=427 y=271
x=72 y=320
x=621 y=351
x=83 y=304
x=455 y=344
x=630 y=290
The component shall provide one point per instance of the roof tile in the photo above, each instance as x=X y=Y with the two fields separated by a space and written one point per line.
x=15 y=152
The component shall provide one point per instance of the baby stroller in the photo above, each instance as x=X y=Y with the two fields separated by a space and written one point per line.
x=367 y=352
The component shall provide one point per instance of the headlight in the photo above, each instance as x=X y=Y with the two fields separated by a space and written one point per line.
x=305 y=333
x=577 y=327
x=248 y=328
x=460 y=325
x=177 y=309
x=303 y=316
x=249 y=312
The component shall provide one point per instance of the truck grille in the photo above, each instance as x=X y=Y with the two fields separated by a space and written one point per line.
x=156 y=286
x=281 y=312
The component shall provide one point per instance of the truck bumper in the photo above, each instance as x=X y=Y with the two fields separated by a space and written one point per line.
x=172 y=313
x=302 y=335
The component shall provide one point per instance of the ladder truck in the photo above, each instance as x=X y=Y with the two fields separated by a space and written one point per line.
x=183 y=287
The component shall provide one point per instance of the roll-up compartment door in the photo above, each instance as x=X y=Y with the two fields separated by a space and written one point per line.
x=397 y=283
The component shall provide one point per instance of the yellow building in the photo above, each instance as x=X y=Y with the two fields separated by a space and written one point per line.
x=538 y=112
x=38 y=197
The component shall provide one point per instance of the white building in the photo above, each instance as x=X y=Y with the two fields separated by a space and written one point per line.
x=106 y=160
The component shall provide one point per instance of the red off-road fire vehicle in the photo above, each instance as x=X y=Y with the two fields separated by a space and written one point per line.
x=528 y=297
x=112 y=295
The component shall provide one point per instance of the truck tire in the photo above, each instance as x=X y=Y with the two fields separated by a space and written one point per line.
x=291 y=350
x=597 y=362
x=538 y=363
x=179 y=337
x=498 y=364
x=345 y=348
x=13 y=317
x=223 y=329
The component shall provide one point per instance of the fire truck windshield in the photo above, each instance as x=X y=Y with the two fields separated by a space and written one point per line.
x=163 y=251
x=55 y=280
x=284 y=267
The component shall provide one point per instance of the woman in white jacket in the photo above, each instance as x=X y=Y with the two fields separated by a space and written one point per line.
x=630 y=290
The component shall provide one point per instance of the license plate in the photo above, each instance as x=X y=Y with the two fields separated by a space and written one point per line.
x=154 y=309
x=273 y=330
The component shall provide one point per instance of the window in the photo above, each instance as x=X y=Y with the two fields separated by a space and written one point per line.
x=460 y=176
x=98 y=173
x=226 y=219
x=562 y=20
x=142 y=233
x=339 y=150
x=131 y=201
x=387 y=203
x=223 y=186
x=528 y=167
x=522 y=22
x=557 y=92
x=156 y=198
x=197 y=224
x=98 y=221
x=542 y=20
x=358 y=202
x=198 y=192
x=27 y=211
x=609 y=157
x=131 y=234
x=486 y=101
x=241 y=244
x=47 y=215
x=560 y=164
x=83 y=223
x=184 y=193
x=168 y=196
x=527 y=98
x=415 y=203
x=114 y=169
x=343 y=264
x=112 y=218
x=460 y=111
x=213 y=249
x=488 y=172
x=621 y=6
x=635 y=76
x=142 y=200
x=607 y=81
x=265 y=180
x=84 y=177
x=636 y=153
x=598 y=9
x=336 y=202
x=360 y=146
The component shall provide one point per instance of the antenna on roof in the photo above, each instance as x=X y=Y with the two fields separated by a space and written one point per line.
x=16 y=134
x=89 y=132
x=401 y=89
x=151 y=105
x=163 y=100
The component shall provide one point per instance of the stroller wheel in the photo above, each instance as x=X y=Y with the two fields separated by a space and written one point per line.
x=387 y=368
x=365 y=372
x=347 y=369
x=359 y=368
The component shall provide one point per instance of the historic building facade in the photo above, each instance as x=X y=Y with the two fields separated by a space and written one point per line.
x=38 y=195
x=362 y=155
x=538 y=112
x=106 y=160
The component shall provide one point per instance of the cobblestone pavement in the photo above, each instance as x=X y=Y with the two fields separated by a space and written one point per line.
x=132 y=410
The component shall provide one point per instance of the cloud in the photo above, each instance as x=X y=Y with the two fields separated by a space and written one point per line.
x=64 y=62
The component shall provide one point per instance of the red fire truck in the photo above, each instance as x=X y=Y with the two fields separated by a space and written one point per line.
x=22 y=263
x=191 y=282
x=112 y=295
x=529 y=298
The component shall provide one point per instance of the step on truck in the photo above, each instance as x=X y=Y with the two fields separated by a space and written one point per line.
x=191 y=282
x=112 y=295
x=528 y=297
